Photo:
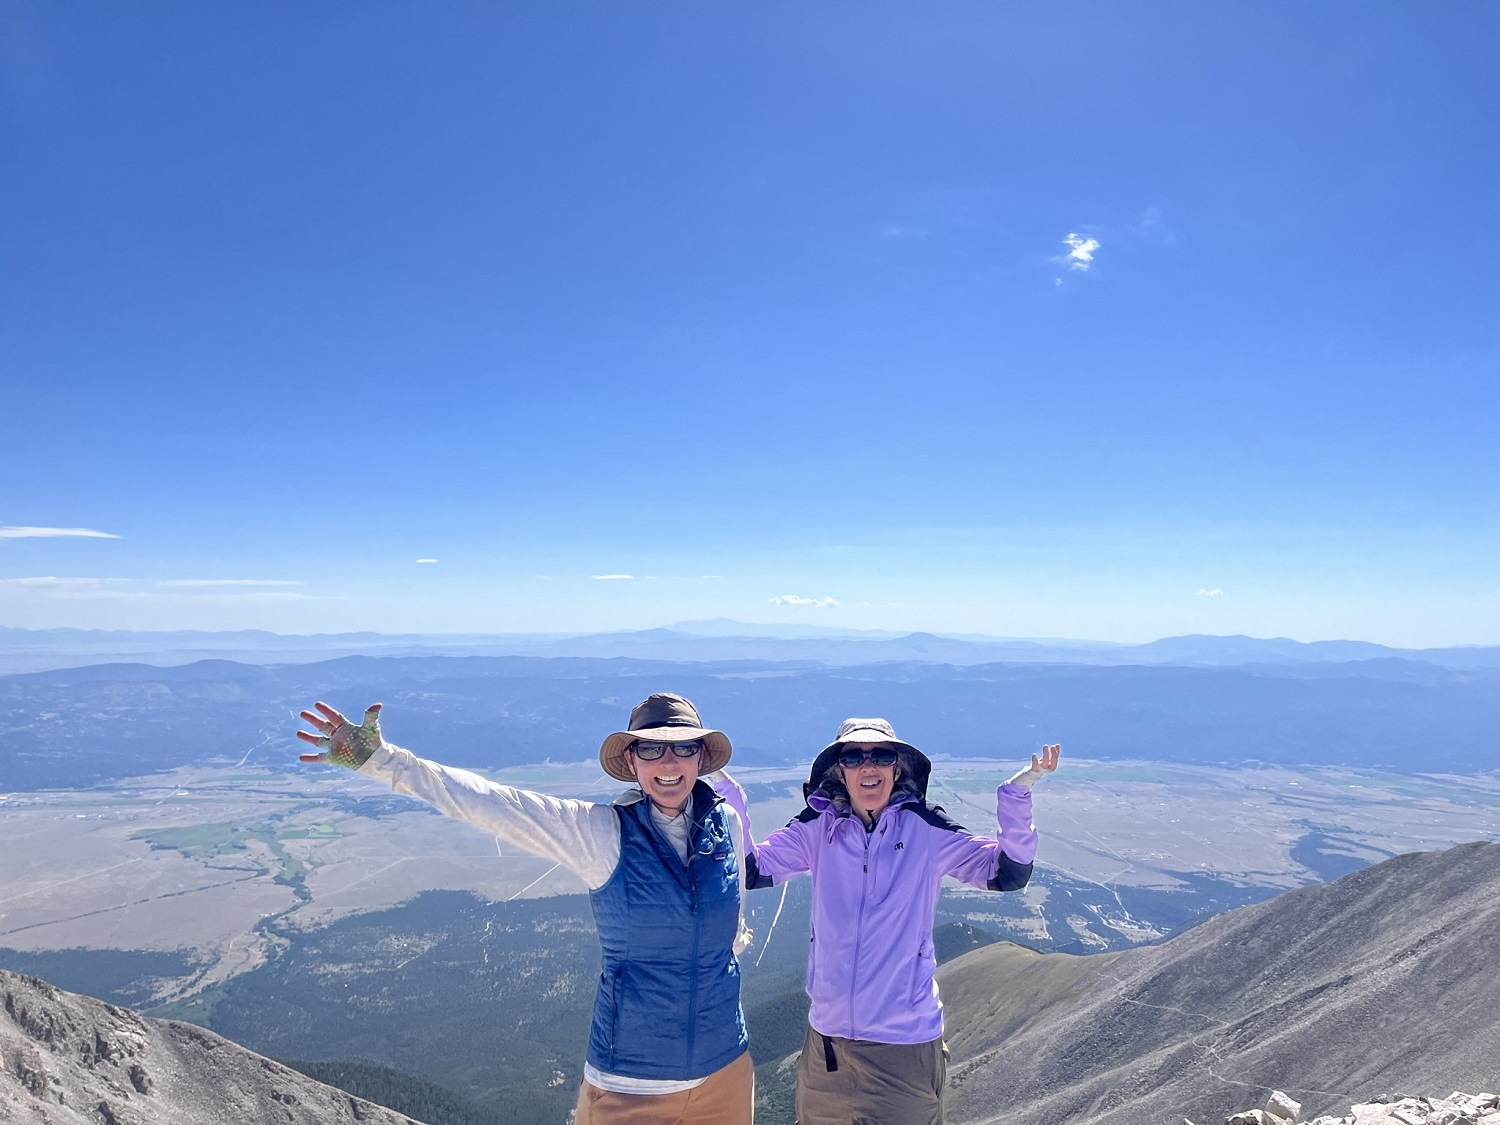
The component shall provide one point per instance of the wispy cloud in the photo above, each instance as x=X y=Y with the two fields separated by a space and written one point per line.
x=52 y=583
x=793 y=599
x=1080 y=255
x=142 y=590
x=227 y=582
x=427 y=560
x=1214 y=593
x=609 y=577
x=10 y=532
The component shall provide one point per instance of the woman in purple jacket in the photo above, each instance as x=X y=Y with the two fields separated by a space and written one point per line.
x=877 y=854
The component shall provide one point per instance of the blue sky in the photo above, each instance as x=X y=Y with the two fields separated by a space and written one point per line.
x=1062 y=319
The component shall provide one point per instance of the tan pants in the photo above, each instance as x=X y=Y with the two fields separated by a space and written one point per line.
x=726 y=1097
x=857 y=1082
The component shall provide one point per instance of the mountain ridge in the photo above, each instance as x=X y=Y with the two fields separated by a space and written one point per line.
x=33 y=650
x=1334 y=993
x=71 y=1059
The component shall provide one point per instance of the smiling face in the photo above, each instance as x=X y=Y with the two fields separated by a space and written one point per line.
x=667 y=780
x=869 y=785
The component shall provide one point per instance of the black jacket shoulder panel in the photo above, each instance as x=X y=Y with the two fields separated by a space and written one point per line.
x=935 y=816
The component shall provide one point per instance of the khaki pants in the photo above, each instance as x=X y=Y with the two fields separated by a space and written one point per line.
x=857 y=1082
x=726 y=1097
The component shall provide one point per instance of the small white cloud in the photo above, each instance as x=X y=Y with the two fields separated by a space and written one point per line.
x=8 y=532
x=228 y=582
x=609 y=577
x=1214 y=593
x=427 y=560
x=1080 y=255
x=793 y=599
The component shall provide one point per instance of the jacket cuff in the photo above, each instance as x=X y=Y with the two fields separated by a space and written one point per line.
x=1009 y=875
x=755 y=879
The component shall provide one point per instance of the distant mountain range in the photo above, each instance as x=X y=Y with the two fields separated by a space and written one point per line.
x=80 y=726
x=1337 y=993
x=24 y=650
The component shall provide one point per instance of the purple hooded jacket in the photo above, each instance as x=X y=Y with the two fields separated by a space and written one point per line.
x=871 y=963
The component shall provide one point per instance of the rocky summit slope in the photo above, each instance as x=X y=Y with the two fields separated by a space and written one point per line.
x=1340 y=993
x=66 y=1058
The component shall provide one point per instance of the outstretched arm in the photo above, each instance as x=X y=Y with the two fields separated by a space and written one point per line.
x=1013 y=811
x=580 y=835
x=1003 y=864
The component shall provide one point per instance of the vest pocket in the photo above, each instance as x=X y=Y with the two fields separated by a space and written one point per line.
x=614 y=1010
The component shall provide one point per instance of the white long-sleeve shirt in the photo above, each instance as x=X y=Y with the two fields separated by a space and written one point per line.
x=583 y=836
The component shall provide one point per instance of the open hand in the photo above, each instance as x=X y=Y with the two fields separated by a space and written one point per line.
x=1039 y=768
x=341 y=742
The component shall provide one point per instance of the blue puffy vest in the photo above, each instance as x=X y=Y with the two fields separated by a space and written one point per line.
x=668 y=1004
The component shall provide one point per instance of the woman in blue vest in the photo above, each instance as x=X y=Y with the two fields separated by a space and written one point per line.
x=668 y=1041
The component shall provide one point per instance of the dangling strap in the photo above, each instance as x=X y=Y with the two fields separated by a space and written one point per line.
x=829 y=1059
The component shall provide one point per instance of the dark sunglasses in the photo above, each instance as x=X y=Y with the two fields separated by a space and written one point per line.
x=650 y=751
x=880 y=756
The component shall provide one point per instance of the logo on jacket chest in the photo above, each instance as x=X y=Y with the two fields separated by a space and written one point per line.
x=714 y=841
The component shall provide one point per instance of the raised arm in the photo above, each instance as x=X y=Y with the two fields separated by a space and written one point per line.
x=779 y=856
x=581 y=835
x=1002 y=864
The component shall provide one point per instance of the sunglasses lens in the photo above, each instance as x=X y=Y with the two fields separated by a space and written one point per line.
x=852 y=759
x=651 y=751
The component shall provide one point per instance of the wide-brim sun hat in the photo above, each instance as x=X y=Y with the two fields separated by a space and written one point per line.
x=664 y=717
x=913 y=761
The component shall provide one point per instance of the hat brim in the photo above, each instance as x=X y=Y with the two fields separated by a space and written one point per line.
x=715 y=755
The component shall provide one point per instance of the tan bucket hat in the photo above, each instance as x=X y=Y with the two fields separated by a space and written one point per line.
x=664 y=717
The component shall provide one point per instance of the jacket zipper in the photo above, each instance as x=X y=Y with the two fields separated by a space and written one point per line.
x=859 y=930
x=692 y=1023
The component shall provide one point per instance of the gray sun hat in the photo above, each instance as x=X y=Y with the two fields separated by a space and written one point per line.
x=664 y=717
x=915 y=764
